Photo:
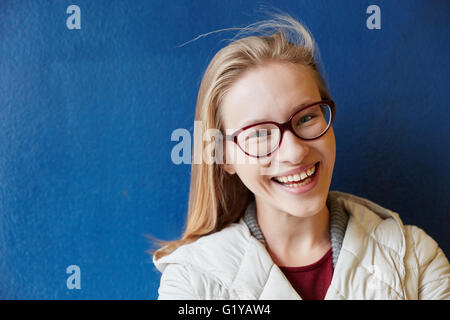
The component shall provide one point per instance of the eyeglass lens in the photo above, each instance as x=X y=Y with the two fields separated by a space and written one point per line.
x=263 y=139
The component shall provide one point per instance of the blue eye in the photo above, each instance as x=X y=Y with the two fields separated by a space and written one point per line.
x=306 y=118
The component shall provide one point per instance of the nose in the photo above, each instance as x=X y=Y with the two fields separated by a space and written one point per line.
x=292 y=149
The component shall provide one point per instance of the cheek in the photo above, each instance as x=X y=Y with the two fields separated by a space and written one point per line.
x=332 y=144
x=250 y=176
x=328 y=150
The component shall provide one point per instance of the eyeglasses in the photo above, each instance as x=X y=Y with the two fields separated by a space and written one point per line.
x=263 y=138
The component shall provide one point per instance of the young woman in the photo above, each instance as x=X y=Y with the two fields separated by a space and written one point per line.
x=262 y=224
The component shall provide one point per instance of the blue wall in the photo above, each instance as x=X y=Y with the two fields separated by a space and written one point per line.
x=86 y=118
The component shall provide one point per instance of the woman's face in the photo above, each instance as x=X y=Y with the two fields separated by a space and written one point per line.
x=273 y=92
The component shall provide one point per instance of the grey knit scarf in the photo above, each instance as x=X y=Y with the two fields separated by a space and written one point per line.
x=338 y=224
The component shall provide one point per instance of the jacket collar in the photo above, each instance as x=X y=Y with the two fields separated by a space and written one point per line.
x=368 y=222
x=375 y=220
x=251 y=273
x=259 y=277
x=371 y=263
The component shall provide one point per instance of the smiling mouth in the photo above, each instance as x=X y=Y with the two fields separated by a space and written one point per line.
x=297 y=182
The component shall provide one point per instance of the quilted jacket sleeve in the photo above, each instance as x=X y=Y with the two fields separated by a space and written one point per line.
x=183 y=282
x=176 y=284
x=434 y=268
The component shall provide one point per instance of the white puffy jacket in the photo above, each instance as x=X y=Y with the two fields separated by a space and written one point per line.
x=380 y=258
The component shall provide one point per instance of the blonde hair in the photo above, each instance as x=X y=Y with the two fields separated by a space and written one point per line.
x=217 y=199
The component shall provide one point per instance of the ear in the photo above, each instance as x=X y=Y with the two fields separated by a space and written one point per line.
x=228 y=168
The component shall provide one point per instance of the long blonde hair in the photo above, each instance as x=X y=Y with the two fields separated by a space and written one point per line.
x=217 y=199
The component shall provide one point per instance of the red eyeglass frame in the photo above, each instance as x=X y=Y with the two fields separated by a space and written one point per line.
x=285 y=126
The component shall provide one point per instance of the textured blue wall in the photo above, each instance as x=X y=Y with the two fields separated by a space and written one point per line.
x=86 y=118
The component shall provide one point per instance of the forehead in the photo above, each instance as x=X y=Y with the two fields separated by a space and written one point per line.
x=268 y=92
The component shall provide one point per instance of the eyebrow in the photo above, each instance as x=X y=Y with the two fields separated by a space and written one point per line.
x=294 y=109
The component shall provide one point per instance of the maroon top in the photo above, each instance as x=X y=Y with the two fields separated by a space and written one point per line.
x=312 y=281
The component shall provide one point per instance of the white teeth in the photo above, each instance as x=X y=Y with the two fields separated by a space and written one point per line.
x=298 y=176
x=295 y=185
